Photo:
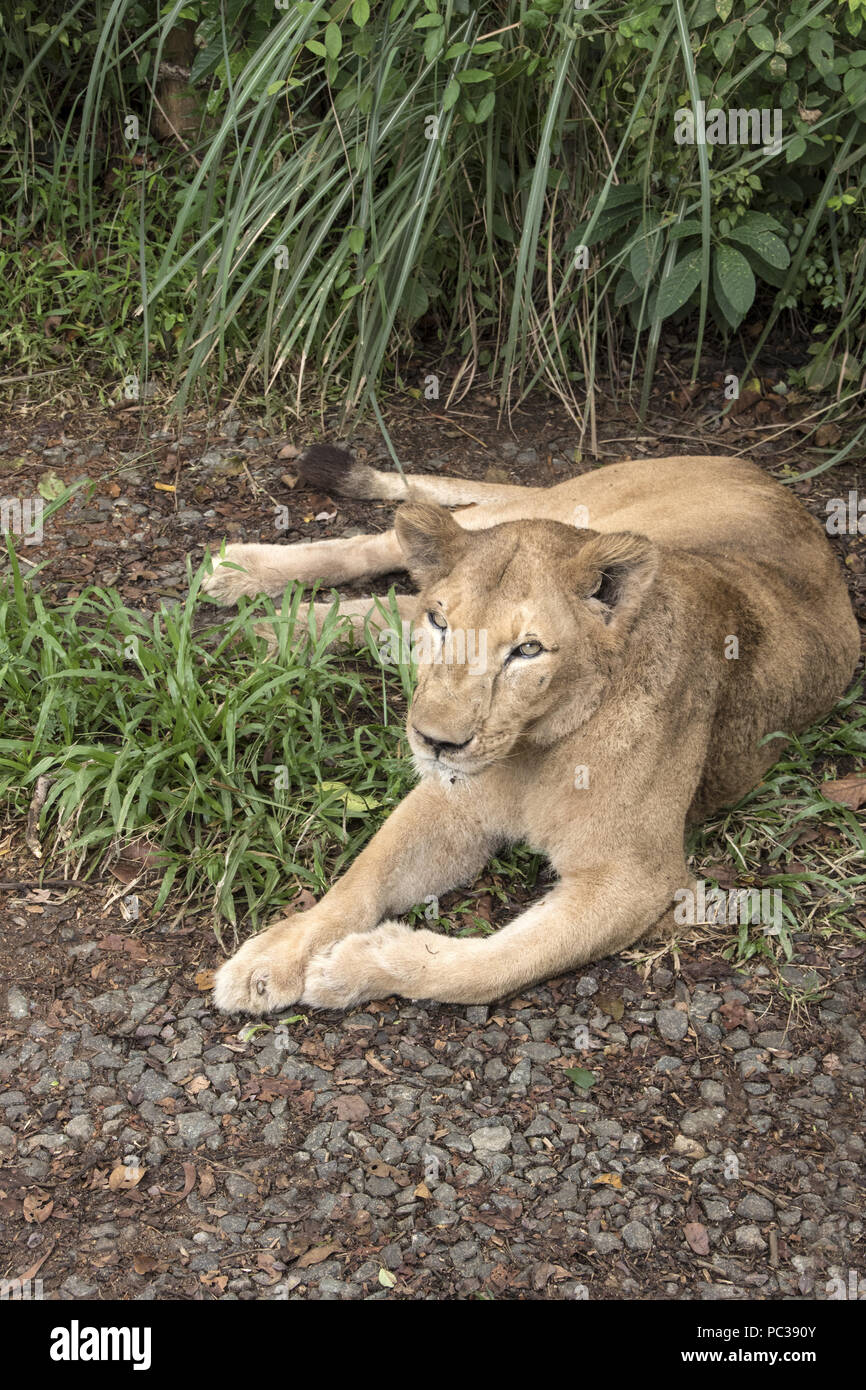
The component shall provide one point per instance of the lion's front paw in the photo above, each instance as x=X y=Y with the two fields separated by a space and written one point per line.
x=226 y=584
x=266 y=973
x=366 y=965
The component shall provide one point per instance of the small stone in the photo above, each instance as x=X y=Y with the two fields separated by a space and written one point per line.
x=606 y=1242
x=713 y=1092
x=492 y=1140
x=689 y=1148
x=672 y=1024
x=749 y=1238
x=716 y=1209
x=477 y=1013
x=756 y=1207
x=637 y=1236
x=17 y=1004
x=194 y=1128
x=80 y=1127
x=668 y=1063
x=702 y=1121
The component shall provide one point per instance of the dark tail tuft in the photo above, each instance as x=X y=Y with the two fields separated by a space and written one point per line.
x=334 y=470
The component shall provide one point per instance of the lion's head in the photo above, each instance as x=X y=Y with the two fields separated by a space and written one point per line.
x=522 y=627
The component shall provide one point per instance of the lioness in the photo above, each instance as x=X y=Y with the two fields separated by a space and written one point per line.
x=644 y=626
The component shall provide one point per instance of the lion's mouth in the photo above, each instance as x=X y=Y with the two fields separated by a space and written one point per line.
x=447 y=771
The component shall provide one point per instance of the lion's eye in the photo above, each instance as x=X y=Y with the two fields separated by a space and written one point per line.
x=438 y=621
x=528 y=649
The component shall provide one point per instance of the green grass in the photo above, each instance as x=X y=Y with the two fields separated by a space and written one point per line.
x=785 y=834
x=234 y=779
x=247 y=777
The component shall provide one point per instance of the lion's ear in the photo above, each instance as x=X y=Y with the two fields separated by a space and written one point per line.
x=430 y=539
x=616 y=572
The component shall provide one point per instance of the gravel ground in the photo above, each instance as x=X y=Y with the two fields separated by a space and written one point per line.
x=151 y=1149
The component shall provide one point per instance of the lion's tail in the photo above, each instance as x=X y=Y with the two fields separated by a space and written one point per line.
x=336 y=471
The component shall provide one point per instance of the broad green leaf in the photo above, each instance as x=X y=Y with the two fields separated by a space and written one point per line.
x=644 y=256
x=736 y=278
x=360 y=12
x=705 y=10
x=626 y=289
x=485 y=107
x=581 y=1078
x=691 y=227
x=765 y=244
x=450 y=95
x=762 y=222
x=762 y=38
x=723 y=9
x=433 y=45
x=854 y=83
x=678 y=287
x=795 y=150
x=821 y=50
x=333 y=40
x=355 y=805
x=50 y=487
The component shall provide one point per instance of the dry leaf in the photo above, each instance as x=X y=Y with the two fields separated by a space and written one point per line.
x=423 y=1191
x=38 y=1207
x=144 y=1264
x=697 y=1237
x=611 y=1004
x=206 y=1183
x=351 y=1108
x=318 y=1254
x=735 y=1015
x=848 y=791
x=189 y=1176
x=124 y=1177
x=204 y=979
x=197 y=1085
x=377 y=1065
x=544 y=1272
x=611 y=1179
x=380 y=1169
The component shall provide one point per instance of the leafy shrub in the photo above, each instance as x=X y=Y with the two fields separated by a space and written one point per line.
x=368 y=179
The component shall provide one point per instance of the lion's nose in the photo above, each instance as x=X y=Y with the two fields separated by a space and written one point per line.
x=439 y=745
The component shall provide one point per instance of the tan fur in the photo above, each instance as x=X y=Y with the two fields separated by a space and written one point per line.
x=635 y=579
